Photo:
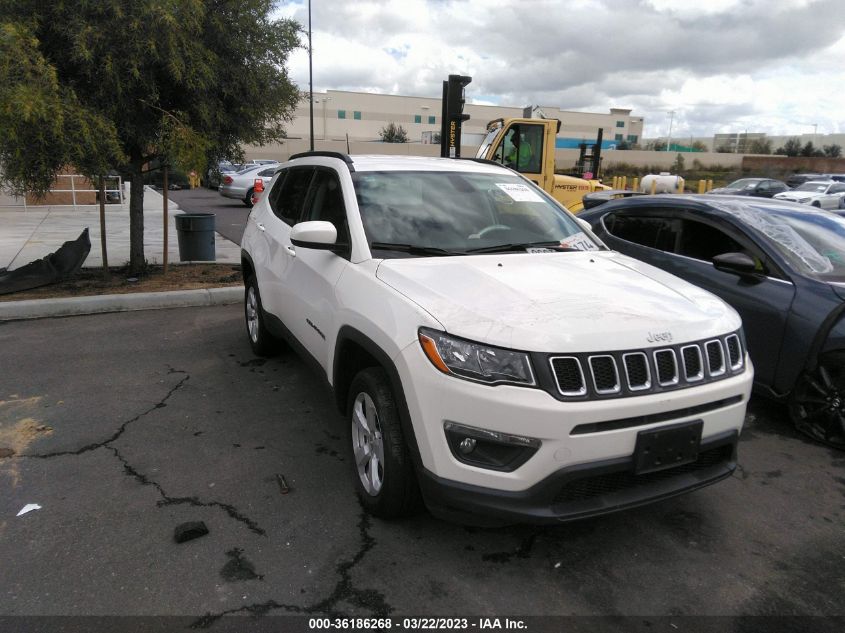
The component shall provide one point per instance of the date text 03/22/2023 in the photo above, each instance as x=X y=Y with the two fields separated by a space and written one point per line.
x=415 y=624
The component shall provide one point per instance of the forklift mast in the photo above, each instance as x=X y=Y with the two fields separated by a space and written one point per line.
x=452 y=115
x=590 y=163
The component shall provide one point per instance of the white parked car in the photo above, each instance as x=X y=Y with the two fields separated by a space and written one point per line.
x=823 y=194
x=488 y=352
x=241 y=185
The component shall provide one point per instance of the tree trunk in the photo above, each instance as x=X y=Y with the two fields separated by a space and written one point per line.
x=137 y=261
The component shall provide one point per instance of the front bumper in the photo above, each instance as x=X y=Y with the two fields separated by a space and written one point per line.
x=575 y=440
x=580 y=491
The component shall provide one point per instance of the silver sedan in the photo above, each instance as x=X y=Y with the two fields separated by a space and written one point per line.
x=822 y=194
x=241 y=185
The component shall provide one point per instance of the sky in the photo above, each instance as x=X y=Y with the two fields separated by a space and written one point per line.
x=773 y=66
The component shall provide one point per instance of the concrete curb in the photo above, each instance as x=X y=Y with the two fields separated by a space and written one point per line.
x=46 y=308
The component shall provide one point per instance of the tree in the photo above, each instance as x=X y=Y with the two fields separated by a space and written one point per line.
x=810 y=150
x=678 y=165
x=698 y=146
x=393 y=133
x=111 y=83
x=832 y=151
x=656 y=146
x=760 y=146
x=725 y=148
x=792 y=147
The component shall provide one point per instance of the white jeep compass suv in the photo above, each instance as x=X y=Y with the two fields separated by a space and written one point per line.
x=489 y=353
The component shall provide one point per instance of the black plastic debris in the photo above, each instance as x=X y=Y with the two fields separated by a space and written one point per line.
x=48 y=270
x=189 y=531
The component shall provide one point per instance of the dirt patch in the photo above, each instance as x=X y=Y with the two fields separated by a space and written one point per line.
x=18 y=429
x=93 y=281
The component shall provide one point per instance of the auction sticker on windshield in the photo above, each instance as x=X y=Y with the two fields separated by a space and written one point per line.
x=580 y=241
x=520 y=192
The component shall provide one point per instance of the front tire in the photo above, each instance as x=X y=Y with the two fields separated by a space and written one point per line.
x=383 y=472
x=263 y=343
x=817 y=403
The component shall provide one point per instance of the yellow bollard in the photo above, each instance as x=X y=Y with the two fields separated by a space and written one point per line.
x=654 y=186
x=701 y=186
x=636 y=184
x=615 y=183
x=680 y=185
x=709 y=184
x=624 y=182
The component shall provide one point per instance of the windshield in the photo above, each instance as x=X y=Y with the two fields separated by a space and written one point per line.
x=744 y=183
x=818 y=187
x=459 y=213
x=485 y=144
x=813 y=242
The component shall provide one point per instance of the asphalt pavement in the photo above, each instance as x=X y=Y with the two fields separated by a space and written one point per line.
x=121 y=427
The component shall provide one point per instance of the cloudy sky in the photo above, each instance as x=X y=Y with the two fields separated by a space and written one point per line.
x=775 y=66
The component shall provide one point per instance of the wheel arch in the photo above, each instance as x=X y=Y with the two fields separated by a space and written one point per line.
x=355 y=351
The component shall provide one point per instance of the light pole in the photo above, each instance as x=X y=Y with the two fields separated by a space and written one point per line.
x=669 y=138
x=324 y=99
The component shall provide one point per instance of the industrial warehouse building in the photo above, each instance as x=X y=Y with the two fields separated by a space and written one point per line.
x=362 y=115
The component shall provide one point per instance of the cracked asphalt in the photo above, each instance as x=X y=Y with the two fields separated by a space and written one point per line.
x=124 y=426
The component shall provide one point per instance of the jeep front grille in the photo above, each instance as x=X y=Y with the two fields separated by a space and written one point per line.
x=638 y=372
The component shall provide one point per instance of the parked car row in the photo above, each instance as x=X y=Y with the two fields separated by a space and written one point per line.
x=241 y=185
x=823 y=192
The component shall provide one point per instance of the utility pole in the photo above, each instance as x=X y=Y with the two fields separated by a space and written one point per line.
x=310 y=80
x=669 y=138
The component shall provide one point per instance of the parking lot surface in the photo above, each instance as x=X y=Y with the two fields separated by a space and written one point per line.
x=121 y=427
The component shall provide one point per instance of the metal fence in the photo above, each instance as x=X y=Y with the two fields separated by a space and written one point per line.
x=74 y=184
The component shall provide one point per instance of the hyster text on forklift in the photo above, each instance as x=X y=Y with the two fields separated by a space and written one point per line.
x=526 y=145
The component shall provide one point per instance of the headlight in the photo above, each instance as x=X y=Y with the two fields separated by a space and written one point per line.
x=476 y=361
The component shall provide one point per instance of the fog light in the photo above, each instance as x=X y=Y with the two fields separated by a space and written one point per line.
x=489 y=449
x=467 y=445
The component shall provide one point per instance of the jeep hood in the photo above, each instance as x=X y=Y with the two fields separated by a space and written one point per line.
x=564 y=302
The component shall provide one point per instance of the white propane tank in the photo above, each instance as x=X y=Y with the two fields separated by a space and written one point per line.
x=665 y=183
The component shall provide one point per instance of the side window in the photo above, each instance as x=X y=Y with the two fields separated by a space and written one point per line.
x=522 y=148
x=264 y=173
x=659 y=233
x=288 y=197
x=326 y=203
x=704 y=242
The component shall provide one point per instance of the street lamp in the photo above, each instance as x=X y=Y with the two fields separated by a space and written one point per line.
x=324 y=99
x=669 y=138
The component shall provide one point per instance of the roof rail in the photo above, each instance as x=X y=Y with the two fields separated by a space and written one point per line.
x=344 y=157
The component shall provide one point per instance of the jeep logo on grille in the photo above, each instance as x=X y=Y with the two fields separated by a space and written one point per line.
x=659 y=337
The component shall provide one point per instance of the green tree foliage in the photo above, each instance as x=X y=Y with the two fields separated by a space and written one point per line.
x=810 y=150
x=832 y=151
x=725 y=148
x=792 y=147
x=678 y=164
x=760 y=146
x=656 y=146
x=392 y=133
x=109 y=83
x=699 y=146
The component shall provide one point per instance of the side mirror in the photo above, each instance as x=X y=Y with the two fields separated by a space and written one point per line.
x=315 y=234
x=584 y=224
x=735 y=263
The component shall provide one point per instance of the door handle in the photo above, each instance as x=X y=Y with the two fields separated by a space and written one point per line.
x=260 y=226
x=291 y=251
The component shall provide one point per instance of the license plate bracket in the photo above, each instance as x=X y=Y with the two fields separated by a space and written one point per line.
x=667 y=447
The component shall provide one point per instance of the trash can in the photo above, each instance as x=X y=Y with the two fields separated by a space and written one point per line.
x=196 y=237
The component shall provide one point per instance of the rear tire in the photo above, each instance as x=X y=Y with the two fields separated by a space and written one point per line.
x=384 y=475
x=817 y=402
x=248 y=200
x=263 y=343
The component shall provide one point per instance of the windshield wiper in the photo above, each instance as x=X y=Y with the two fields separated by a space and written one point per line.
x=413 y=249
x=503 y=248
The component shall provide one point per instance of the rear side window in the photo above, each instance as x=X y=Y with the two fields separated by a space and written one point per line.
x=659 y=233
x=288 y=197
